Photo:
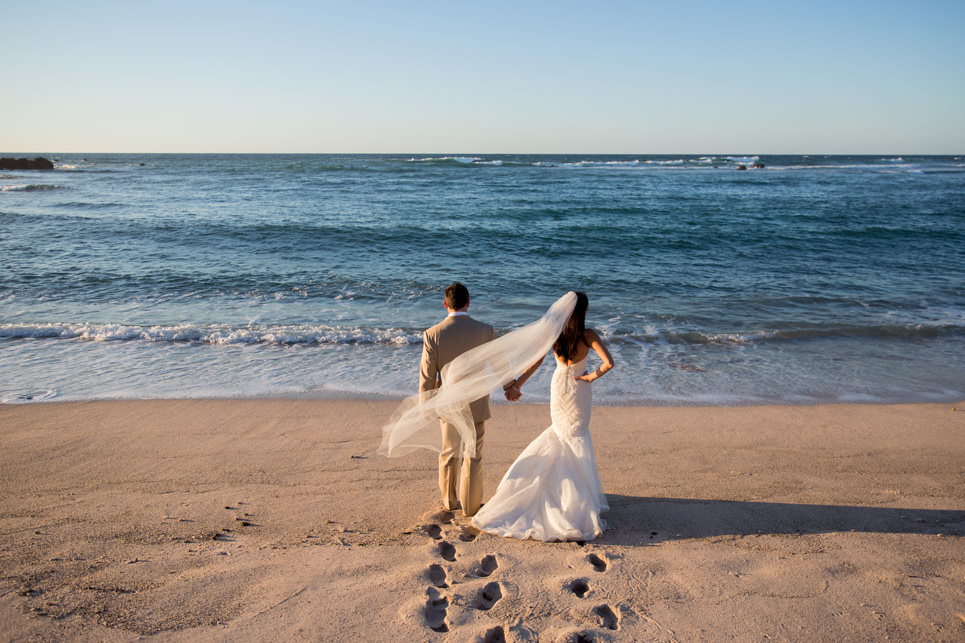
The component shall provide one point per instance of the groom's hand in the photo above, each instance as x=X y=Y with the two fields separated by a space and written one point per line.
x=513 y=394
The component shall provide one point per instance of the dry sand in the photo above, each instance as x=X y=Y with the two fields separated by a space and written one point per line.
x=226 y=520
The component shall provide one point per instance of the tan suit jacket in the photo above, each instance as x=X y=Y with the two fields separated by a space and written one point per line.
x=446 y=341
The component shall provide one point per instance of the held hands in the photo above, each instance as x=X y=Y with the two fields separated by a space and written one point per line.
x=513 y=393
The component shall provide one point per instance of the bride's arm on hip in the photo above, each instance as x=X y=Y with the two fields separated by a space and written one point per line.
x=512 y=391
x=593 y=339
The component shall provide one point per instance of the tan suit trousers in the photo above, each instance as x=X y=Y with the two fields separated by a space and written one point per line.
x=443 y=343
x=463 y=484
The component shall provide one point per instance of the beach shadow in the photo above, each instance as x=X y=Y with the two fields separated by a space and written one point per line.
x=635 y=520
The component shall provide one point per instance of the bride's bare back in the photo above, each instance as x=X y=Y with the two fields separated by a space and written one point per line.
x=591 y=339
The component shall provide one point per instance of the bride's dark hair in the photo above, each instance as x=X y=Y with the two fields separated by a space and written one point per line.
x=574 y=333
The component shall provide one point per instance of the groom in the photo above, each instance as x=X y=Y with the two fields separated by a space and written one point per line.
x=442 y=343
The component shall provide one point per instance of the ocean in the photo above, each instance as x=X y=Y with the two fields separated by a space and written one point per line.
x=812 y=279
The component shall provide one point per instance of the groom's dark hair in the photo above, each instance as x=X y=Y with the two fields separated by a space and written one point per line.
x=457 y=296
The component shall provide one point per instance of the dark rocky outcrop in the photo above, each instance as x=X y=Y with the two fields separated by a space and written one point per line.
x=38 y=163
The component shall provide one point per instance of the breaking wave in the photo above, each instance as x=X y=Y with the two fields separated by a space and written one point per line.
x=215 y=334
x=30 y=187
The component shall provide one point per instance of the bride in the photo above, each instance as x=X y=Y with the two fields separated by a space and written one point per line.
x=552 y=491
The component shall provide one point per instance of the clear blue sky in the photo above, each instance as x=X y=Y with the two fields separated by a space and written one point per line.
x=639 y=77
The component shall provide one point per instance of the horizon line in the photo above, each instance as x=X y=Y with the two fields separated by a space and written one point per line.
x=435 y=153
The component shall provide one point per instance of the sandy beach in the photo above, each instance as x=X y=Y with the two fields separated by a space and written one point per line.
x=226 y=520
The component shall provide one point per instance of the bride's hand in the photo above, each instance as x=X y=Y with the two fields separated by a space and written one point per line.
x=585 y=377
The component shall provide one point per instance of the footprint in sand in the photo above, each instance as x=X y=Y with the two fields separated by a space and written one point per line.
x=437 y=575
x=488 y=596
x=487 y=566
x=435 y=612
x=608 y=618
x=599 y=565
x=578 y=586
x=433 y=531
x=468 y=534
x=443 y=516
x=447 y=551
x=495 y=635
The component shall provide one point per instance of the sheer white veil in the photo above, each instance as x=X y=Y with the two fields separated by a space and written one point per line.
x=472 y=375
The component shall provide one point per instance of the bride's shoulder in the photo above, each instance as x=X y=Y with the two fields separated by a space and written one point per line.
x=590 y=336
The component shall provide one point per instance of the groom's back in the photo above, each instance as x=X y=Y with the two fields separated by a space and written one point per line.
x=446 y=341
x=456 y=335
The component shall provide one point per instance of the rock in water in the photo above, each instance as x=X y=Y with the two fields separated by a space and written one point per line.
x=39 y=163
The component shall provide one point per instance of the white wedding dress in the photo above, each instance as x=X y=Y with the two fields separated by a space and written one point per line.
x=552 y=491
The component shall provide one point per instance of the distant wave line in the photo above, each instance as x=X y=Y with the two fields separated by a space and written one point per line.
x=698 y=162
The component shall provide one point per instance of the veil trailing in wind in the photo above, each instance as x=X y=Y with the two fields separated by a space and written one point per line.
x=474 y=374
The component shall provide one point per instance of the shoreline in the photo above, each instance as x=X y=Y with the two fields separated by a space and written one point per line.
x=277 y=518
x=495 y=400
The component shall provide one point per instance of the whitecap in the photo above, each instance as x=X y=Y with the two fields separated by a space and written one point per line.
x=30 y=187
x=744 y=159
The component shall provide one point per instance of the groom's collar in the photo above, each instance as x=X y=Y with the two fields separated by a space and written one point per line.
x=458 y=313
